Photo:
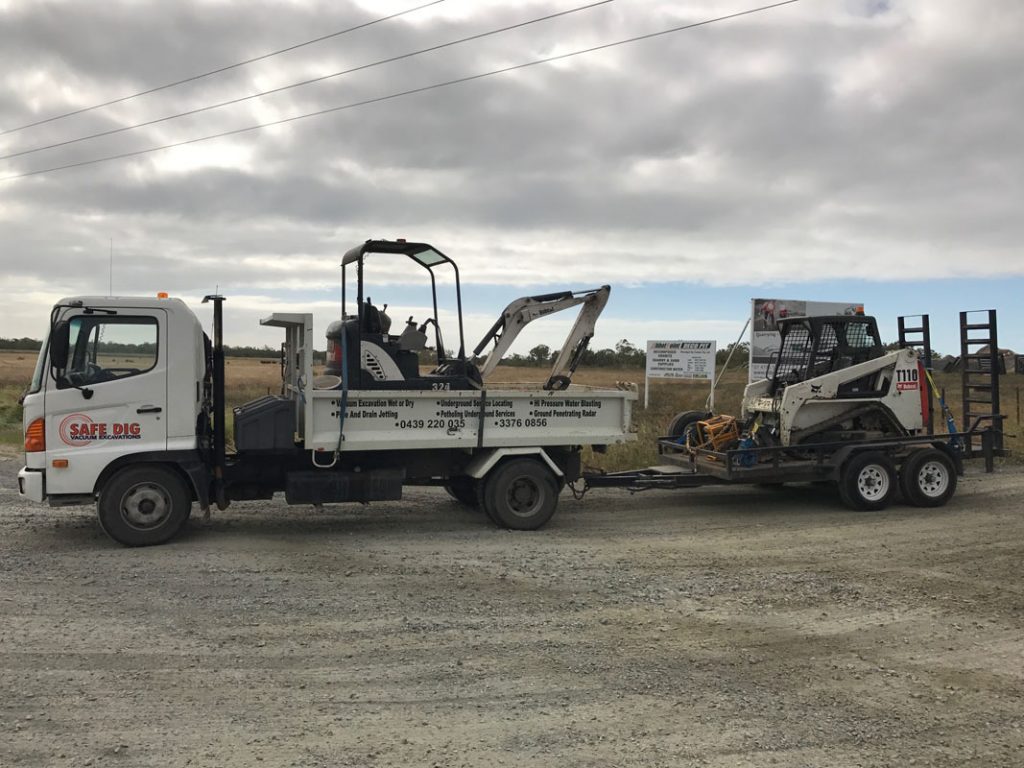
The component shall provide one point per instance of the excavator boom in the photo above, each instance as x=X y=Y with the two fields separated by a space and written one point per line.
x=521 y=312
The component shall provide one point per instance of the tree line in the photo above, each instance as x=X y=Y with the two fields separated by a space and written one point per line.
x=624 y=354
x=20 y=344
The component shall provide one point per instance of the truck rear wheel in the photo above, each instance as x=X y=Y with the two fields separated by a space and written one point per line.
x=520 y=494
x=868 y=481
x=928 y=478
x=143 y=505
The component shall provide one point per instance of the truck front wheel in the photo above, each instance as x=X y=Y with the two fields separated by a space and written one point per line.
x=143 y=505
x=520 y=494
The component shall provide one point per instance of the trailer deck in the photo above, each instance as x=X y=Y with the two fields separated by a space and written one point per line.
x=820 y=462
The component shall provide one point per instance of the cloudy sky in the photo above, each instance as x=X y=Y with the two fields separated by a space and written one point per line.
x=850 y=150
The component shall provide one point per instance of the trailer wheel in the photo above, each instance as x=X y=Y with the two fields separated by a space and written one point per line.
x=463 y=489
x=143 y=505
x=683 y=424
x=868 y=481
x=928 y=478
x=520 y=494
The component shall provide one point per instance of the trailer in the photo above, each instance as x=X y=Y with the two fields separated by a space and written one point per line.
x=867 y=474
x=836 y=407
x=127 y=410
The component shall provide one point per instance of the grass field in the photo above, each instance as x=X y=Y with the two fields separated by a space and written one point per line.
x=249 y=378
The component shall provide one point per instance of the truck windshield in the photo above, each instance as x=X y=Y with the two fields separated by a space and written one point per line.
x=37 y=374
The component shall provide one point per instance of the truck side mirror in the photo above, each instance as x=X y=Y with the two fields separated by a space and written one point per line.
x=59 y=342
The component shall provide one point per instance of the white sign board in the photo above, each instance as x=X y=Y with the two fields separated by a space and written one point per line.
x=680 y=360
x=764 y=334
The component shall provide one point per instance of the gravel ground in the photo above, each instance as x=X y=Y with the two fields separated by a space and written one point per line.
x=713 y=627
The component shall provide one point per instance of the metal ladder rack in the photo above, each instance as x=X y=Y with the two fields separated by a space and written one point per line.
x=919 y=337
x=979 y=373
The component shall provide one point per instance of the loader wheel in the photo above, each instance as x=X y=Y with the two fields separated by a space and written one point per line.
x=868 y=481
x=928 y=478
x=463 y=489
x=685 y=425
x=143 y=505
x=520 y=494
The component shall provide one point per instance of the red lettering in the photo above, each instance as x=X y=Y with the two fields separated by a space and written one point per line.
x=119 y=429
x=134 y=429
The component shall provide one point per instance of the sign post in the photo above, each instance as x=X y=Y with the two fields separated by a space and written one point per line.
x=680 y=360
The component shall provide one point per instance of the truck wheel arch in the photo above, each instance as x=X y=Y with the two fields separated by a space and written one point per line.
x=188 y=464
x=484 y=461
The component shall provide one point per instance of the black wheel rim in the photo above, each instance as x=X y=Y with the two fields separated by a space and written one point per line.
x=524 y=496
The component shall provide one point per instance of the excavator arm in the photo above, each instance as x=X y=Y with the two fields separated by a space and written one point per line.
x=521 y=312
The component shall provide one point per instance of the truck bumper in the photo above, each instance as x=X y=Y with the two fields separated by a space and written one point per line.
x=32 y=484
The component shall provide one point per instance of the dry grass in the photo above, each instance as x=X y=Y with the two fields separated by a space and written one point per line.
x=15 y=374
x=249 y=378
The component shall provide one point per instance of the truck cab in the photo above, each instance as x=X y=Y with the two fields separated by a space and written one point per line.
x=118 y=380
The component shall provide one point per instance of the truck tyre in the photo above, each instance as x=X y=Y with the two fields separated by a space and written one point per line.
x=684 y=424
x=463 y=489
x=143 y=505
x=928 y=478
x=520 y=494
x=868 y=481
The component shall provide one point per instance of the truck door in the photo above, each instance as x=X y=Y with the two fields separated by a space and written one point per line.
x=111 y=399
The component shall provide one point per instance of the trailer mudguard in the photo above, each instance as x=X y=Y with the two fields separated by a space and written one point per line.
x=484 y=461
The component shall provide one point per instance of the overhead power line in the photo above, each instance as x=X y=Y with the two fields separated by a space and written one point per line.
x=410 y=92
x=219 y=70
x=319 y=79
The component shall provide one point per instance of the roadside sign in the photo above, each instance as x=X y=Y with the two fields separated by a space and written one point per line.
x=680 y=359
x=764 y=334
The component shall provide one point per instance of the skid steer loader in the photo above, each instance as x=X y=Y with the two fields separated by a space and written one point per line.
x=837 y=407
x=833 y=380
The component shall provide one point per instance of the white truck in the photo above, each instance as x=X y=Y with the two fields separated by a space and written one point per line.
x=126 y=409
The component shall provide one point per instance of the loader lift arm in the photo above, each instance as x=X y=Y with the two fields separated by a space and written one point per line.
x=518 y=314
